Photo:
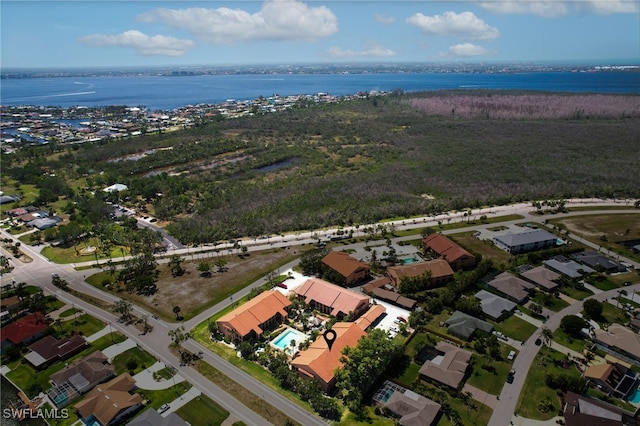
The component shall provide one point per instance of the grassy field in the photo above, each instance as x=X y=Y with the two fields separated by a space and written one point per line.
x=83 y=324
x=575 y=343
x=549 y=301
x=163 y=396
x=139 y=356
x=516 y=328
x=485 y=248
x=202 y=411
x=490 y=380
x=535 y=389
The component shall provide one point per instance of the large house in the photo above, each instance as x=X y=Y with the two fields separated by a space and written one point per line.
x=598 y=261
x=49 y=350
x=448 y=367
x=542 y=277
x=412 y=409
x=457 y=257
x=348 y=268
x=109 y=402
x=464 y=325
x=441 y=272
x=522 y=242
x=567 y=267
x=582 y=410
x=23 y=330
x=381 y=288
x=620 y=342
x=251 y=319
x=319 y=362
x=79 y=378
x=332 y=299
x=614 y=379
x=493 y=305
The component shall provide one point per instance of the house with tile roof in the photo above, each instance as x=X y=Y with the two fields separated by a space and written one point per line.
x=251 y=319
x=49 y=350
x=23 y=330
x=614 y=379
x=109 y=402
x=581 y=410
x=448 y=367
x=441 y=272
x=458 y=257
x=620 y=342
x=514 y=288
x=79 y=378
x=544 y=278
x=318 y=362
x=378 y=289
x=332 y=299
x=463 y=325
x=371 y=317
x=411 y=408
x=348 y=268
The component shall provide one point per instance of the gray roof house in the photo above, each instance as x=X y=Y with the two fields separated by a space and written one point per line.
x=152 y=418
x=412 y=408
x=528 y=240
x=463 y=325
x=570 y=268
x=494 y=306
x=598 y=260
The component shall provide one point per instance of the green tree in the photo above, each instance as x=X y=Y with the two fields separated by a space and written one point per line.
x=572 y=324
x=592 y=308
x=124 y=308
x=176 y=312
x=204 y=268
x=175 y=265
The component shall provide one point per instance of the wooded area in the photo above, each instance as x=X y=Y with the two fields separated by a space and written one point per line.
x=360 y=161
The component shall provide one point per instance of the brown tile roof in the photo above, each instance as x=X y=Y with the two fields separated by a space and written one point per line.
x=512 y=286
x=600 y=371
x=50 y=348
x=451 y=368
x=343 y=264
x=106 y=401
x=320 y=362
x=439 y=268
x=24 y=328
x=369 y=317
x=446 y=248
x=620 y=337
x=542 y=276
x=94 y=367
x=339 y=299
x=413 y=409
x=256 y=311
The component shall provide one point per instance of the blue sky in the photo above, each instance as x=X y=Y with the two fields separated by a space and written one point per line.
x=114 y=33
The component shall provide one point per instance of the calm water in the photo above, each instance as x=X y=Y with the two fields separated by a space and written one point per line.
x=171 y=92
x=8 y=396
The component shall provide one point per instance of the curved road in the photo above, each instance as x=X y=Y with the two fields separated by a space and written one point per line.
x=39 y=271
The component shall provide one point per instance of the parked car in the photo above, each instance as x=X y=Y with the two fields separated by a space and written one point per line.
x=163 y=408
x=511 y=356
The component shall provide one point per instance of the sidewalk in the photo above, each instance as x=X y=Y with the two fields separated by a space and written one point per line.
x=481 y=396
x=145 y=380
x=118 y=348
x=98 y=334
x=182 y=400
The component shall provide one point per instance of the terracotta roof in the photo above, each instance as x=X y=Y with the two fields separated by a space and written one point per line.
x=320 y=362
x=24 y=328
x=339 y=299
x=370 y=317
x=343 y=264
x=256 y=311
x=439 y=268
x=450 y=368
x=446 y=248
x=109 y=399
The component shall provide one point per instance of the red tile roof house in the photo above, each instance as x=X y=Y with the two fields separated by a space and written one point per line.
x=319 y=362
x=251 y=319
x=332 y=299
x=448 y=250
x=441 y=272
x=348 y=268
x=48 y=350
x=24 y=330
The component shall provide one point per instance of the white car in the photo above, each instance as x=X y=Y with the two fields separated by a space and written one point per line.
x=163 y=408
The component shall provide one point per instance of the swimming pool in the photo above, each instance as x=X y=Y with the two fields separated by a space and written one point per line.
x=283 y=341
x=410 y=260
x=635 y=396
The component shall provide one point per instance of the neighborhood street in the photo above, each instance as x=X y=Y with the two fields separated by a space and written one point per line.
x=39 y=270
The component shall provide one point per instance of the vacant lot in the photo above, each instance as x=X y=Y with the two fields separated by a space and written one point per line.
x=194 y=293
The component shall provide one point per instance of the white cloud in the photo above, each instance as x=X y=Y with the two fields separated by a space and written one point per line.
x=384 y=19
x=372 y=51
x=468 y=49
x=143 y=44
x=556 y=8
x=464 y=25
x=277 y=20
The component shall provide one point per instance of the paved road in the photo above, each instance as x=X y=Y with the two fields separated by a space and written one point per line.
x=39 y=271
x=506 y=406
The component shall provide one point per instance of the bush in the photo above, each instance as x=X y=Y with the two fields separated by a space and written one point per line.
x=131 y=364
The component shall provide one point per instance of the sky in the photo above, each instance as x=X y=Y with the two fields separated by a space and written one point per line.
x=118 y=33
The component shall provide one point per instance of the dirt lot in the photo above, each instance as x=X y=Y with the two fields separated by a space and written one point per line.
x=193 y=293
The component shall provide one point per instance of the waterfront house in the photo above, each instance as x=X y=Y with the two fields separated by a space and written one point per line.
x=109 y=402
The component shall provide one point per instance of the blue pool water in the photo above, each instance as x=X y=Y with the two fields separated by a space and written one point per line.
x=284 y=340
x=635 y=396
x=410 y=260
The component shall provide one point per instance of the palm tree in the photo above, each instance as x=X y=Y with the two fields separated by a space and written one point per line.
x=547 y=335
x=176 y=311
x=123 y=307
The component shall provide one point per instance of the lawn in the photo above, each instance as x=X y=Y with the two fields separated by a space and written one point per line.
x=574 y=293
x=612 y=314
x=549 y=301
x=575 y=343
x=69 y=312
x=492 y=377
x=535 y=389
x=516 y=328
x=141 y=358
x=485 y=248
x=203 y=411
x=84 y=324
x=164 y=396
